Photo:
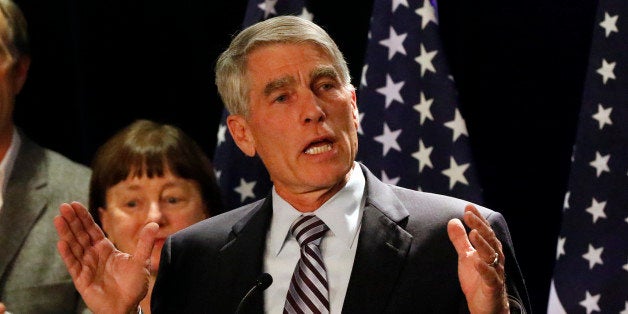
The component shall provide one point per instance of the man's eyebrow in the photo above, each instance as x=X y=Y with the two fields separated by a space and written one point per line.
x=324 y=71
x=277 y=84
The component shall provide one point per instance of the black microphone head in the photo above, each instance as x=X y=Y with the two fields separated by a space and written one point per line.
x=264 y=281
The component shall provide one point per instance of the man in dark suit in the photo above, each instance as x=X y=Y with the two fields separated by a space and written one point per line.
x=33 y=182
x=384 y=249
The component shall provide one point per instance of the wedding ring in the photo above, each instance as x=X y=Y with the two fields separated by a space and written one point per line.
x=495 y=261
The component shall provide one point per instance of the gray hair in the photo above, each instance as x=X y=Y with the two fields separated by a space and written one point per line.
x=231 y=65
x=17 y=33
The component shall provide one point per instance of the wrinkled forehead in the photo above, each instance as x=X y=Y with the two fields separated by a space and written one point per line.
x=272 y=57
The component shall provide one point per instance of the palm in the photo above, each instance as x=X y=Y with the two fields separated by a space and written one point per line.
x=109 y=274
x=475 y=289
x=481 y=283
x=110 y=281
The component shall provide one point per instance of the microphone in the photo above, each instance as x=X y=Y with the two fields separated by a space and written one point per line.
x=263 y=281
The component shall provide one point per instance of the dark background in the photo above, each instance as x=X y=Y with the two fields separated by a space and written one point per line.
x=520 y=68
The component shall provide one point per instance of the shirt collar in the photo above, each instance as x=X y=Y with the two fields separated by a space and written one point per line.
x=341 y=213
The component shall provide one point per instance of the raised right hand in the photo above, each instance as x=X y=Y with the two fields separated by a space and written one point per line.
x=110 y=281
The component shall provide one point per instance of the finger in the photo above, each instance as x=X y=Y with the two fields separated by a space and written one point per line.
x=64 y=226
x=458 y=237
x=490 y=275
x=71 y=262
x=483 y=237
x=146 y=242
x=475 y=221
x=485 y=250
x=87 y=221
x=75 y=225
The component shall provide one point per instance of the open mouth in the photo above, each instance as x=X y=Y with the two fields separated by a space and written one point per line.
x=318 y=147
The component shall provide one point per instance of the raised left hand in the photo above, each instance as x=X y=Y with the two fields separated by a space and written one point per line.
x=480 y=263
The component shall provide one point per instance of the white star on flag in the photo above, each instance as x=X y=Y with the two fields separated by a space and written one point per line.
x=363 y=76
x=456 y=173
x=423 y=156
x=394 y=43
x=590 y=302
x=600 y=163
x=603 y=116
x=222 y=129
x=305 y=14
x=268 y=7
x=245 y=189
x=560 y=249
x=427 y=14
x=397 y=3
x=425 y=60
x=609 y=24
x=607 y=70
x=389 y=139
x=391 y=91
x=423 y=107
x=594 y=256
x=596 y=210
x=360 y=117
x=457 y=125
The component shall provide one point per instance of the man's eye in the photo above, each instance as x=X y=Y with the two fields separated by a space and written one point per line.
x=172 y=200
x=327 y=86
x=281 y=98
x=131 y=204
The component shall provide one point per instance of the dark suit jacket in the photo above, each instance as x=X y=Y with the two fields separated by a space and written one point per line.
x=404 y=262
x=33 y=278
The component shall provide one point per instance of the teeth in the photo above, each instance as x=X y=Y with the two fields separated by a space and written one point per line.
x=318 y=149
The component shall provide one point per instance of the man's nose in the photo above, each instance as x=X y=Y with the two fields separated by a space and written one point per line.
x=312 y=108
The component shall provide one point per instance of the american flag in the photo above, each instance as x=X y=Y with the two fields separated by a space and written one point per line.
x=243 y=179
x=412 y=133
x=591 y=270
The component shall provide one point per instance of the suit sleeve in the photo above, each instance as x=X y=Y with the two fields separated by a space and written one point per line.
x=515 y=284
x=164 y=297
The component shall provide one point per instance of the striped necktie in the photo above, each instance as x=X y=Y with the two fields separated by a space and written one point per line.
x=308 y=292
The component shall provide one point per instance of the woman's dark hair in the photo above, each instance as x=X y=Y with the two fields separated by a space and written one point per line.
x=147 y=148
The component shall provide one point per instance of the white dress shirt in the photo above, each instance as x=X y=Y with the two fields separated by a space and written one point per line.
x=6 y=165
x=342 y=214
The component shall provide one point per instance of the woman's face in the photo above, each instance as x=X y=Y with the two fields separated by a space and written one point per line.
x=170 y=201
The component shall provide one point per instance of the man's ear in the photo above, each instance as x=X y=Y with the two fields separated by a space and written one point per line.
x=239 y=129
x=20 y=72
x=355 y=112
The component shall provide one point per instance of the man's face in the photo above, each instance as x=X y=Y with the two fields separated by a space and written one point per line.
x=9 y=86
x=302 y=120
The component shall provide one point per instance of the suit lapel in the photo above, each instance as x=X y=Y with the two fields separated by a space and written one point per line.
x=242 y=257
x=24 y=201
x=383 y=246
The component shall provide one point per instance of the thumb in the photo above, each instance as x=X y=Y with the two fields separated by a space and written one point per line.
x=146 y=242
x=458 y=237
